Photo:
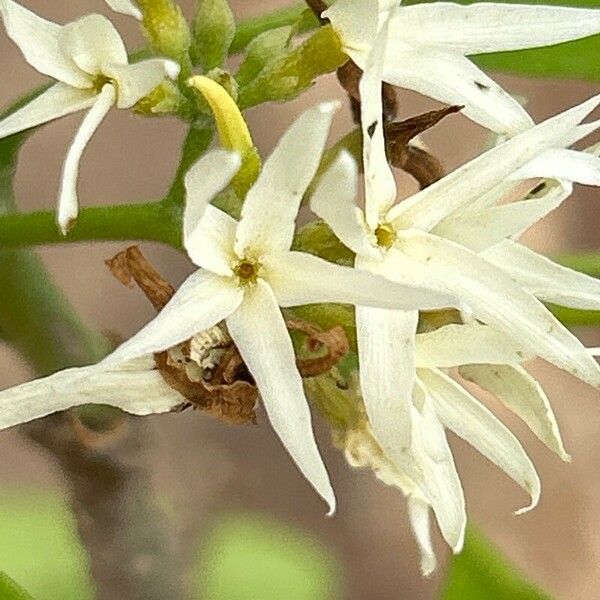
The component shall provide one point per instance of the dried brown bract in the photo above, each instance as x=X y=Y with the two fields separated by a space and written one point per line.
x=333 y=340
x=419 y=163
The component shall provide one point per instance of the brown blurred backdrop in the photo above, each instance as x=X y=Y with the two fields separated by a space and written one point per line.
x=204 y=466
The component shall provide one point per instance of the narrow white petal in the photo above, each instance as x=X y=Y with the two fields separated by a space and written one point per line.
x=386 y=351
x=454 y=79
x=92 y=42
x=418 y=515
x=380 y=186
x=544 y=278
x=560 y=163
x=429 y=206
x=209 y=233
x=211 y=244
x=439 y=478
x=138 y=79
x=468 y=418
x=299 y=278
x=270 y=209
x=38 y=41
x=334 y=201
x=203 y=300
x=524 y=396
x=68 y=206
x=495 y=299
x=57 y=101
x=137 y=391
x=492 y=27
x=478 y=230
x=259 y=331
x=356 y=22
x=126 y=7
x=454 y=345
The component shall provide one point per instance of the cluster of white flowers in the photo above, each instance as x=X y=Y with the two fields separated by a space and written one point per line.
x=453 y=244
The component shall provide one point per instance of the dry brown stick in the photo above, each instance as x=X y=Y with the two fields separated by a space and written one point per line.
x=131 y=545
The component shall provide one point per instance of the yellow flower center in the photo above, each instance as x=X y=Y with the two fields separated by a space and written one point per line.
x=100 y=81
x=386 y=236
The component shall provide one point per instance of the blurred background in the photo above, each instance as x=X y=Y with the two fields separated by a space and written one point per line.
x=247 y=517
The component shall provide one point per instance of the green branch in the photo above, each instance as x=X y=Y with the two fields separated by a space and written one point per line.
x=151 y=221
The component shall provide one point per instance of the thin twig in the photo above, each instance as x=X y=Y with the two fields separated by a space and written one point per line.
x=131 y=547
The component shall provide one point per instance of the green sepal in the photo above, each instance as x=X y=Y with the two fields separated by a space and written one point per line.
x=212 y=33
x=296 y=70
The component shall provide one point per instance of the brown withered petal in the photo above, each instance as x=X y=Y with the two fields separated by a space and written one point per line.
x=131 y=264
x=334 y=340
x=234 y=402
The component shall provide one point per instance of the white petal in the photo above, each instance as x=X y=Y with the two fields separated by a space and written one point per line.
x=495 y=299
x=270 y=209
x=418 y=515
x=454 y=345
x=68 y=206
x=356 y=21
x=92 y=42
x=137 y=391
x=208 y=233
x=38 y=41
x=138 y=79
x=570 y=165
x=546 y=279
x=203 y=300
x=478 y=230
x=440 y=481
x=524 y=396
x=380 y=186
x=125 y=7
x=334 y=201
x=211 y=244
x=299 y=278
x=57 y=101
x=429 y=206
x=386 y=351
x=469 y=419
x=492 y=27
x=259 y=331
x=454 y=79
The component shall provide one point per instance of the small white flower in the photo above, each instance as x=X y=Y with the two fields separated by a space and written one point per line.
x=428 y=45
x=89 y=61
x=247 y=272
x=455 y=235
x=125 y=7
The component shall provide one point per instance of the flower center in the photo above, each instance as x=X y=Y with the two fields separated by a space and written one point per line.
x=386 y=236
x=100 y=81
x=247 y=271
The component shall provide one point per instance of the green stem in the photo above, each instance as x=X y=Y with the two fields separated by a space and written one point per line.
x=152 y=221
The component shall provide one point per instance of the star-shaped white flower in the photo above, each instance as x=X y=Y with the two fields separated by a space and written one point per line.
x=247 y=272
x=89 y=61
x=428 y=45
x=412 y=241
x=125 y=7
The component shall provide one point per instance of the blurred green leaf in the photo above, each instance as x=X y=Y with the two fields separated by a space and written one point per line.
x=481 y=572
x=39 y=548
x=9 y=590
x=251 y=558
x=579 y=59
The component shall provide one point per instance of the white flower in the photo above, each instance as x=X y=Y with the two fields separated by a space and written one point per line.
x=455 y=235
x=247 y=272
x=125 y=7
x=89 y=61
x=428 y=45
